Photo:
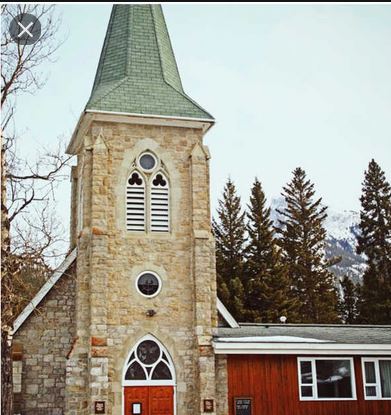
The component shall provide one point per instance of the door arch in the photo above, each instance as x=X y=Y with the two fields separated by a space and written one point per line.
x=148 y=379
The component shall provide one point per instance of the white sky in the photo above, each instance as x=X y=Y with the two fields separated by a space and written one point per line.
x=289 y=85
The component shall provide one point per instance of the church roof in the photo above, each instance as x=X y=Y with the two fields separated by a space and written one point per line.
x=303 y=339
x=41 y=294
x=309 y=333
x=137 y=71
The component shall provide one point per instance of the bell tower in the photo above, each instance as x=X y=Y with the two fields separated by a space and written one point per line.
x=146 y=286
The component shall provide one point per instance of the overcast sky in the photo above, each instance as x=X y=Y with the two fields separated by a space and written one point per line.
x=289 y=85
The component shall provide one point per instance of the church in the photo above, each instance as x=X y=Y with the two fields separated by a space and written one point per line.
x=130 y=322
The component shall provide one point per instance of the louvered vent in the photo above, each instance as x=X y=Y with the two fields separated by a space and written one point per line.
x=160 y=218
x=135 y=203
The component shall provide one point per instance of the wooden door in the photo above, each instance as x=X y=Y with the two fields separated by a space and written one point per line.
x=154 y=400
x=161 y=400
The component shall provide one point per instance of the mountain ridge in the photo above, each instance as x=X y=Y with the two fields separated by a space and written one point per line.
x=342 y=229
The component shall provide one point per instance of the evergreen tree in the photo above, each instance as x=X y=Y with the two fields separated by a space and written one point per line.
x=268 y=295
x=229 y=231
x=375 y=242
x=302 y=241
x=349 y=301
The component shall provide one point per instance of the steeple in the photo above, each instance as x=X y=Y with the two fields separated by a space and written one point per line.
x=137 y=72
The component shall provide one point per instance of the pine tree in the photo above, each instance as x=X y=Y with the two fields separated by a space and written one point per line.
x=302 y=241
x=267 y=286
x=349 y=301
x=375 y=242
x=229 y=231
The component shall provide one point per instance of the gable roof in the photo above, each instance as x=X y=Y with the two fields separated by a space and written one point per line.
x=49 y=284
x=137 y=71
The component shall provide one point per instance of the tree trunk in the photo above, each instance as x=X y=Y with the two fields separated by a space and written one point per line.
x=6 y=375
x=6 y=307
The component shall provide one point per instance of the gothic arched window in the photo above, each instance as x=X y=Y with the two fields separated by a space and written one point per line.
x=149 y=363
x=135 y=202
x=148 y=196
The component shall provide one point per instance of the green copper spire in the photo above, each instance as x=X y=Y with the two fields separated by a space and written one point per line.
x=137 y=71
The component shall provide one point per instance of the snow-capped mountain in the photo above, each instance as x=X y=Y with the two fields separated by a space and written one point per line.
x=342 y=228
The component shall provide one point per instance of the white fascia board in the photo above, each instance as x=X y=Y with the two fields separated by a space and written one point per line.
x=49 y=284
x=168 y=117
x=80 y=130
x=150 y=119
x=304 y=348
x=227 y=316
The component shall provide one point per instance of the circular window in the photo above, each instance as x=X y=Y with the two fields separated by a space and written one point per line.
x=147 y=161
x=148 y=284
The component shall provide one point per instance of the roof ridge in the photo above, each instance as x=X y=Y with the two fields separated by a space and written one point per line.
x=191 y=100
x=115 y=86
x=152 y=9
x=128 y=67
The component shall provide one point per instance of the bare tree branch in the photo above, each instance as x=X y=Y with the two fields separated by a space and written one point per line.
x=31 y=234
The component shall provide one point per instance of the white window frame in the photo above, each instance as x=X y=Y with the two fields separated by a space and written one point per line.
x=150 y=382
x=314 y=396
x=145 y=207
x=153 y=156
x=151 y=187
x=377 y=385
x=148 y=176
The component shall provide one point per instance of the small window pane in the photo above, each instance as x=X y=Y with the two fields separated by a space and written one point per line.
x=148 y=352
x=306 y=391
x=306 y=373
x=131 y=358
x=161 y=372
x=148 y=284
x=333 y=378
x=385 y=377
x=370 y=376
x=370 y=390
x=147 y=161
x=135 y=372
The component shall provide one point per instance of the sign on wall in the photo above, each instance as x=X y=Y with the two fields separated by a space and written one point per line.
x=100 y=407
x=136 y=408
x=243 y=406
x=208 y=405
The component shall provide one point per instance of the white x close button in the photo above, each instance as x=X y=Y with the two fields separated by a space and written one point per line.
x=25 y=29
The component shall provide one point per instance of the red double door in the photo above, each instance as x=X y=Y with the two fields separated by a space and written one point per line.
x=149 y=400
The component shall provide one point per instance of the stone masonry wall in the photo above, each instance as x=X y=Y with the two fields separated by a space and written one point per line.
x=221 y=385
x=44 y=340
x=112 y=315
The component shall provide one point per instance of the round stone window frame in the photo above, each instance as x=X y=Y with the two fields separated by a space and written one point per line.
x=157 y=277
x=149 y=153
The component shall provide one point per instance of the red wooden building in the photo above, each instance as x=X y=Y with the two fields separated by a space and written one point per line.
x=307 y=369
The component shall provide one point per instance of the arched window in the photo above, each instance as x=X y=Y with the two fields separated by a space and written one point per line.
x=159 y=203
x=135 y=202
x=149 y=364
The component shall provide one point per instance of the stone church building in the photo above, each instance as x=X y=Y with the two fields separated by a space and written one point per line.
x=130 y=322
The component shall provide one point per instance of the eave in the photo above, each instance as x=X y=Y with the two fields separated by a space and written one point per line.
x=88 y=116
x=301 y=348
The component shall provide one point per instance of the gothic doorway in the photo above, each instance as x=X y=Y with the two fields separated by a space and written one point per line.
x=149 y=379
